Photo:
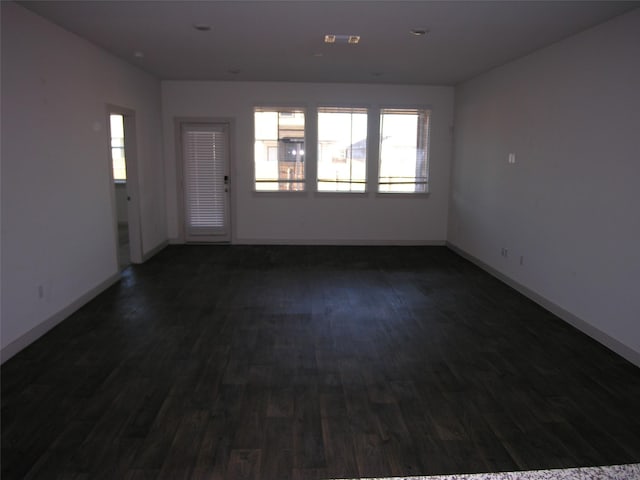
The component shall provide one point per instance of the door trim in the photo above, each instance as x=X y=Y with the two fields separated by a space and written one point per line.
x=133 y=188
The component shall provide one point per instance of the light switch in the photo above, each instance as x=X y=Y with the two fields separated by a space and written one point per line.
x=512 y=158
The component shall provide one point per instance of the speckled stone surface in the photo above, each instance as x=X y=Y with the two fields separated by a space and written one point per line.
x=612 y=472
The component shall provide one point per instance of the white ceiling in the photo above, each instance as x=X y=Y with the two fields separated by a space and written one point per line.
x=283 y=40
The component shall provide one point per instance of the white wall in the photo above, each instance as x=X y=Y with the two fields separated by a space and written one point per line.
x=570 y=204
x=310 y=217
x=57 y=198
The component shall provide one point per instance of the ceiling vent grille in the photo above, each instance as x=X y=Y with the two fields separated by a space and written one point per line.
x=343 y=39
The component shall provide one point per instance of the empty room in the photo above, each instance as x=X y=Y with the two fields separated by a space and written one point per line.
x=320 y=240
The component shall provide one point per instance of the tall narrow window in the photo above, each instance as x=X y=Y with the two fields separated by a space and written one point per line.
x=404 y=151
x=279 y=149
x=342 y=149
x=117 y=148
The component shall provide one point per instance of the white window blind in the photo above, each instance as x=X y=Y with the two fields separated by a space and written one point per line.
x=205 y=165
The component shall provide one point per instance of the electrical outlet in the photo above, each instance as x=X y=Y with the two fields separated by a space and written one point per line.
x=512 y=158
x=504 y=252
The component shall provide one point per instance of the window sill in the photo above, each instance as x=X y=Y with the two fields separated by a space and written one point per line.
x=343 y=194
x=280 y=193
x=422 y=195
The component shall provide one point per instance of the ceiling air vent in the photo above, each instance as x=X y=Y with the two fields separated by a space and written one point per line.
x=348 y=39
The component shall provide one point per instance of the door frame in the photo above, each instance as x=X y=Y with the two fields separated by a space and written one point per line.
x=230 y=125
x=132 y=184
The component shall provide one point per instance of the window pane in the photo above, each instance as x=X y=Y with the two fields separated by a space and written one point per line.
x=342 y=149
x=279 y=149
x=117 y=147
x=404 y=151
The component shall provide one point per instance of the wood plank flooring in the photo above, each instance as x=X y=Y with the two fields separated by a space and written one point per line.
x=273 y=362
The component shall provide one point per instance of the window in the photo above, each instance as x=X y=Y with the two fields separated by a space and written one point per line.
x=404 y=151
x=117 y=148
x=342 y=149
x=279 y=149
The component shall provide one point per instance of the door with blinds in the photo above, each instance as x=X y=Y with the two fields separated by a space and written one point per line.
x=205 y=172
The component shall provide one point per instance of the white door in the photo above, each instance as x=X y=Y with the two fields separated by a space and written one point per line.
x=205 y=170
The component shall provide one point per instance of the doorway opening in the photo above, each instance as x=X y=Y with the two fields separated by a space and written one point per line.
x=122 y=146
x=119 y=169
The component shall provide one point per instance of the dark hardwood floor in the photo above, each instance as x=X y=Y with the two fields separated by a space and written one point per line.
x=234 y=362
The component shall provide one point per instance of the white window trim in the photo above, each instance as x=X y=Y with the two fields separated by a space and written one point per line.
x=345 y=108
x=280 y=106
x=311 y=150
x=376 y=180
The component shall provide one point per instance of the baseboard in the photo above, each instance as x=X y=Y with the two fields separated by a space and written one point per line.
x=585 y=327
x=338 y=242
x=323 y=242
x=36 y=332
x=154 y=251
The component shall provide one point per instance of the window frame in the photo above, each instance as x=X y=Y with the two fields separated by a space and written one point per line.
x=426 y=136
x=280 y=108
x=367 y=111
x=120 y=148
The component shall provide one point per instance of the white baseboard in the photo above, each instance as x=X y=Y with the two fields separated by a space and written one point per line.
x=338 y=242
x=585 y=327
x=325 y=242
x=36 y=332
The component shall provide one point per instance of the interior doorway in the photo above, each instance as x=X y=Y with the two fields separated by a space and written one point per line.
x=125 y=187
x=119 y=168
